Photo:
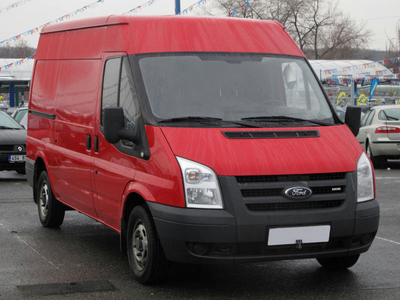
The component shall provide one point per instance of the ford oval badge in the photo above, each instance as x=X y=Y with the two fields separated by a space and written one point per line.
x=298 y=192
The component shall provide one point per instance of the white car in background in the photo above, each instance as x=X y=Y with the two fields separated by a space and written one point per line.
x=19 y=113
x=380 y=134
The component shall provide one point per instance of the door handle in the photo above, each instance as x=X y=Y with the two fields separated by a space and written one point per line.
x=88 y=142
x=96 y=144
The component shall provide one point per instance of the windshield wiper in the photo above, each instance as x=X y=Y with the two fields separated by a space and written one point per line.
x=207 y=119
x=282 y=119
x=389 y=117
x=6 y=127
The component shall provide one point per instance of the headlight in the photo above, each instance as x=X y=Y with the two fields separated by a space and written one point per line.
x=201 y=185
x=365 y=179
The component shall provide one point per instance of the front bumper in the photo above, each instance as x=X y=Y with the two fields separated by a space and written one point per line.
x=6 y=165
x=238 y=234
x=386 y=147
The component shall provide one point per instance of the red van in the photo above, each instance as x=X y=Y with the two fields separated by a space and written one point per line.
x=199 y=140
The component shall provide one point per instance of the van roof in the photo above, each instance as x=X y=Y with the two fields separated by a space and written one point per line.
x=154 y=34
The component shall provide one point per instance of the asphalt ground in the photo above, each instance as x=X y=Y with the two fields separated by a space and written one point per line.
x=81 y=260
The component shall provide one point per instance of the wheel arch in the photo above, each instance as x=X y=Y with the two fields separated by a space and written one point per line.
x=132 y=198
x=40 y=166
x=368 y=143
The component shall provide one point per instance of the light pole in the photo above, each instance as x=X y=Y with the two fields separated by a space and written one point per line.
x=177 y=7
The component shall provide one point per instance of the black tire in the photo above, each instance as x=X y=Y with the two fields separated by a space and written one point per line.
x=51 y=211
x=377 y=161
x=338 y=263
x=145 y=255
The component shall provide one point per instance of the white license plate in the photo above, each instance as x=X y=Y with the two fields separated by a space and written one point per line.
x=16 y=158
x=290 y=235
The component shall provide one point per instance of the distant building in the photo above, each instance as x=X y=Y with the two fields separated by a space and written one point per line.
x=15 y=78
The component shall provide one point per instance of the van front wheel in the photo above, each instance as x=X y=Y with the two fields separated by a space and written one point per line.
x=338 y=263
x=145 y=255
x=51 y=211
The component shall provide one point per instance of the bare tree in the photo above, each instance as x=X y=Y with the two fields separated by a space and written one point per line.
x=393 y=45
x=317 y=26
x=20 y=50
x=342 y=39
x=393 y=49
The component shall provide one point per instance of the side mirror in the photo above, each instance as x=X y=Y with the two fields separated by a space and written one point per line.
x=353 y=118
x=114 y=129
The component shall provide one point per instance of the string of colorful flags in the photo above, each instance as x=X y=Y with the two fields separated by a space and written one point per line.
x=14 y=5
x=243 y=7
x=37 y=29
x=139 y=8
x=17 y=63
x=347 y=79
x=190 y=8
x=367 y=66
x=15 y=38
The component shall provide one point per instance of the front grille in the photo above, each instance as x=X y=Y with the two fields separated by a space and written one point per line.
x=277 y=192
x=294 y=205
x=285 y=178
x=7 y=148
x=267 y=193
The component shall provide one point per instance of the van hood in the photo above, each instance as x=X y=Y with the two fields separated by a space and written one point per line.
x=267 y=151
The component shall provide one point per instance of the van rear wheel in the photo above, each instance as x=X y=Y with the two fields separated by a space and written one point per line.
x=338 y=263
x=145 y=255
x=51 y=211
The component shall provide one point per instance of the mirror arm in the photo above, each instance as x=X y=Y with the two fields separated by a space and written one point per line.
x=130 y=135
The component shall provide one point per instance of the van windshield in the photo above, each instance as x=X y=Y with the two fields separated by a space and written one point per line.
x=250 y=88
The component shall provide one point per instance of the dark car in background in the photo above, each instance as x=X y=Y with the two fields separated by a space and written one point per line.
x=12 y=144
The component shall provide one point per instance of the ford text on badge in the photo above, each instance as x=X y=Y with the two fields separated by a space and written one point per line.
x=298 y=192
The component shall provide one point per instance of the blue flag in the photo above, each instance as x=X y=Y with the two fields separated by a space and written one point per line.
x=374 y=84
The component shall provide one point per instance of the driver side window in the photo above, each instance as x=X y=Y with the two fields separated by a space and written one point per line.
x=119 y=90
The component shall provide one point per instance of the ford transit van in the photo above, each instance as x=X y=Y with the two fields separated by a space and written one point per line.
x=199 y=140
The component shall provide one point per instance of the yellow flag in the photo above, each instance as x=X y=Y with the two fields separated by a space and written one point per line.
x=340 y=98
x=361 y=98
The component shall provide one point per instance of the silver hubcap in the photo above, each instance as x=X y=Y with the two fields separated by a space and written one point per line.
x=44 y=199
x=369 y=151
x=140 y=245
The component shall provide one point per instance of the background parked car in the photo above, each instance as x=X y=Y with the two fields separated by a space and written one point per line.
x=19 y=113
x=12 y=144
x=341 y=111
x=380 y=134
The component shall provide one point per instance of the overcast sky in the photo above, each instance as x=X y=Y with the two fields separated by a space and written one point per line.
x=381 y=16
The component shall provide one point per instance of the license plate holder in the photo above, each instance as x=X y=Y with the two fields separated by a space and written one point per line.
x=305 y=234
x=16 y=158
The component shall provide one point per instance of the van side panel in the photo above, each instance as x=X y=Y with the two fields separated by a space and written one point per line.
x=49 y=46
x=44 y=89
x=76 y=101
x=118 y=38
x=87 y=43
x=40 y=137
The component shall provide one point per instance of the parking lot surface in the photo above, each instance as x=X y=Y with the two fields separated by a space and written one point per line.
x=81 y=260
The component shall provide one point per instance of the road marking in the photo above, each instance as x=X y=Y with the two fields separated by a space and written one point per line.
x=37 y=252
x=1 y=225
x=386 y=178
x=397 y=243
